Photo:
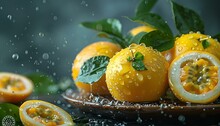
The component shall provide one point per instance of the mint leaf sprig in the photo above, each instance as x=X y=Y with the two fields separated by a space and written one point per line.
x=93 y=69
x=137 y=61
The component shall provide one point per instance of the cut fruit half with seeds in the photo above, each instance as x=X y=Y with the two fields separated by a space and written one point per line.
x=41 y=113
x=194 y=77
x=14 y=87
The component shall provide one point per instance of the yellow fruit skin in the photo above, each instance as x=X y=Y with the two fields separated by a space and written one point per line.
x=190 y=42
x=127 y=84
x=96 y=49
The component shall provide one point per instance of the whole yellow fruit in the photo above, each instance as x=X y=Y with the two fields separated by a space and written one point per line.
x=196 y=42
x=95 y=49
x=128 y=84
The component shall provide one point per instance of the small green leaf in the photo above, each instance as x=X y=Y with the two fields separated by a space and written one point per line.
x=139 y=56
x=186 y=20
x=109 y=26
x=217 y=36
x=93 y=69
x=153 y=20
x=129 y=59
x=43 y=84
x=138 y=65
x=137 y=61
x=205 y=44
x=156 y=39
x=9 y=115
x=145 y=6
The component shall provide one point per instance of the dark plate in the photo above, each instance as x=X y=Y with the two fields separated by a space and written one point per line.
x=110 y=108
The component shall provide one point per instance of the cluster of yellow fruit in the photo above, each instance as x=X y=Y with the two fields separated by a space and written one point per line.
x=15 y=88
x=191 y=69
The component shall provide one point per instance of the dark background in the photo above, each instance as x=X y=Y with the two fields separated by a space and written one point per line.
x=45 y=36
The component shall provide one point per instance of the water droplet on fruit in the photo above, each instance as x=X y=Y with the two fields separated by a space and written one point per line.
x=192 y=48
x=140 y=77
x=191 y=32
x=198 y=32
x=149 y=77
x=180 y=48
x=142 y=44
x=133 y=50
x=122 y=82
x=154 y=59
x=154 y=70
x=132 y=46
x=127 y=76
x=195 y=44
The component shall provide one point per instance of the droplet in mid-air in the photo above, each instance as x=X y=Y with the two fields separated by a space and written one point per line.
x=45 y=56
x=15 y=56
x=9 y=17
x=139 y=120
x=41 y=34
x=55 y=18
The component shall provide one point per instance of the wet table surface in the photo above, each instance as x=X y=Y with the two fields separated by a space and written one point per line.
x=82 y=117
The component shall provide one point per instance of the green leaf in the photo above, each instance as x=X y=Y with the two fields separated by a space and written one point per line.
x=109 y=26
x=145 y=6
x=156 y=39
x=205 y=44
x=138 y=65
x=217 y=36
x=139 y=56
x=186 y=20
x=153 y=20
x=9 y=113
x=43 y=84
x=137 y=38
x=93 y=69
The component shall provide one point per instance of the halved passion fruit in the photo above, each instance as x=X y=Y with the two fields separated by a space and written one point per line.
x=14 y=87
x=41 y=113
x=194 y=77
